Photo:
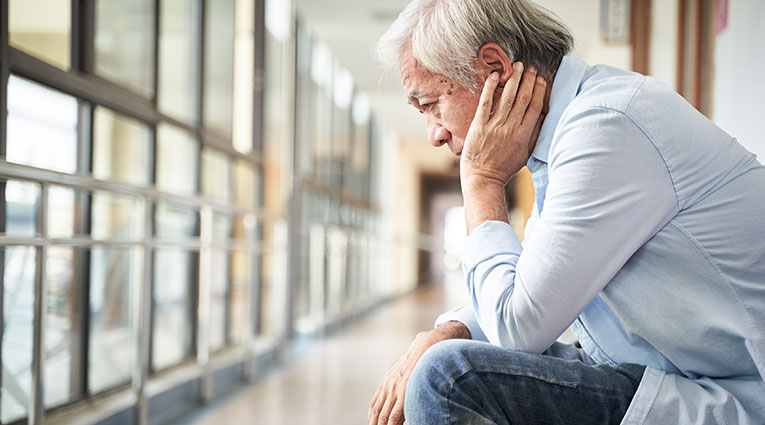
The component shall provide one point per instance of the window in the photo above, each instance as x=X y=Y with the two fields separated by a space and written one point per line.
x=42 y=127
x=124 y=44
x=179 y=60
x=219 y=66
x=18 y=319
x=65 y=274
x=121 y=148
x=114 y=272
x=174 y=289
x=41 y=28
x=177 y=160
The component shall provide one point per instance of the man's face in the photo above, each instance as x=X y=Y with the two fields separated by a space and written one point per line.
x=448 y=107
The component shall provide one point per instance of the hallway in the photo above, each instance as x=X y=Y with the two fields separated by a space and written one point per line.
x=331 y=382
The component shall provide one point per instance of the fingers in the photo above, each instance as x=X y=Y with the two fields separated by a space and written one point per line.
x=508 y=93
x=386 y=410
x=534 y=111
x=483 y=112
x=397 y=413
x=523 y=97
x=374 y=407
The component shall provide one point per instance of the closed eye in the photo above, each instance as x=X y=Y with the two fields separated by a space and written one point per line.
x=426 y=107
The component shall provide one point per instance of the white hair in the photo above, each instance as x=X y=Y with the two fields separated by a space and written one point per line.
x=446 y=35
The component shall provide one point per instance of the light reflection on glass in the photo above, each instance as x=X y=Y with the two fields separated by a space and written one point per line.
x=174 y=286
x=112 y=337
x=64 y=268
x=42 y=127
x=18 y=322
x=21 y=201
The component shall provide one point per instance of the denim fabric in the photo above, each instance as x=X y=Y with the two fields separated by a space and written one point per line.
x=472 y=382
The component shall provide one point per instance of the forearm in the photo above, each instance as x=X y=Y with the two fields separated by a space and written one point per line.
x=484 y=200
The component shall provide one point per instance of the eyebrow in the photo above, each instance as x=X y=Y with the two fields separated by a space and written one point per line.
x=413 y=97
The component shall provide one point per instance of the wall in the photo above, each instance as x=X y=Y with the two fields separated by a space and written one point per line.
x=663 y=47
x=739 y=89
x=583 y=19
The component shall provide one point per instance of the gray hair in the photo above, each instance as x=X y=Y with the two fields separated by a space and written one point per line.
x=446 y=35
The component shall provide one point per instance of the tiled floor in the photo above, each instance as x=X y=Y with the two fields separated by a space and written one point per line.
x=332 y=382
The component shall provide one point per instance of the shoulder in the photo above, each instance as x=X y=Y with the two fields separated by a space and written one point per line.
x=616 y=110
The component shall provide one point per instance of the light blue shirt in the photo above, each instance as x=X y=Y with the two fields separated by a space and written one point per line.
x=647 y=238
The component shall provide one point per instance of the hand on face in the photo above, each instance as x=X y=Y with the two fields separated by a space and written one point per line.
x=501 y=136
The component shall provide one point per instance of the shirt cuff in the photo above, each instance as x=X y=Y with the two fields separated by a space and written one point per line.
x=465 y=316
x=489 y=239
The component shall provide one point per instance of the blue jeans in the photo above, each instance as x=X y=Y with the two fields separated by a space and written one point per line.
x=471 y=382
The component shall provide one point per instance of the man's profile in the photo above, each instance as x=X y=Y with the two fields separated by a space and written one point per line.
x=646 y=236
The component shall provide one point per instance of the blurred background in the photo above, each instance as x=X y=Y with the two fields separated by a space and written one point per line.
x=197 y=194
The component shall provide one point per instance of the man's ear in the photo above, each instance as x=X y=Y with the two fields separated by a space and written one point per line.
x=491 y=58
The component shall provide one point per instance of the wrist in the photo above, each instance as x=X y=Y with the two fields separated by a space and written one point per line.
x=453 y=330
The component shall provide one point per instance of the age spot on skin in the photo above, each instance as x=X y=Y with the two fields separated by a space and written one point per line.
x=449 y=92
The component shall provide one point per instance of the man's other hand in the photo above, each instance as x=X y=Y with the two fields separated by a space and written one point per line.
x=387 y=405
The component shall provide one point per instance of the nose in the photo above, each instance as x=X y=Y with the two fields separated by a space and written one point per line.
x=437 y=134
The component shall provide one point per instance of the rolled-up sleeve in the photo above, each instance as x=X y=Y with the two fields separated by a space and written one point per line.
x=609 y=191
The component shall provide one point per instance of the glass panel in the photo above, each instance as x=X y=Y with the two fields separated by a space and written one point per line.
x=177 y=160
x=321 y=73
x=244 y=75
x=220 y=281
x=64 y=271
x=175 y=221
x=240 y=274
x=216 y=175
x=218 y=299
x=116 y=217
x=66 y=209
x=42 y=127
x=341 y=126
x=218 y=67
x=174 y=289
x=178 y=59
x=304 y=98
x=113 y=272
x=18 y=323
x=41 y=28
x=265 y=323
x=360 y=161
x=121 y=148
x=245 y=185
x=20 y=203
x=124 y=46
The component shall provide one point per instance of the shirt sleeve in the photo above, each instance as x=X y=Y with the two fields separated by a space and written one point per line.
x=609 y=192
x=466 y=316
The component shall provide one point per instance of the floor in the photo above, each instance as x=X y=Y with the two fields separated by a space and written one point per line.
x=333 y=381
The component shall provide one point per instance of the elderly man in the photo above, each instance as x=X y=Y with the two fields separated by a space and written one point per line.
x=647 y=237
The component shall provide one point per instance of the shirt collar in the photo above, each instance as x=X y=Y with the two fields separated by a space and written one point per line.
x=564 y=90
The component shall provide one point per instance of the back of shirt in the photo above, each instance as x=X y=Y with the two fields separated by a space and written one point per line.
x=691 y=300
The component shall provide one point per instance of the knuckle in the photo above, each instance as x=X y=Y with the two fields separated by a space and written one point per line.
x=524 y=98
